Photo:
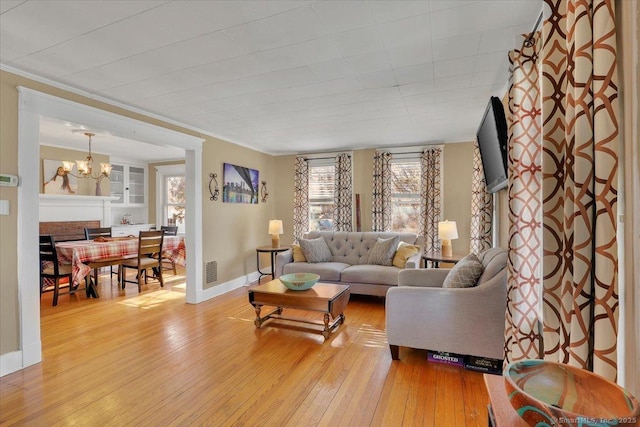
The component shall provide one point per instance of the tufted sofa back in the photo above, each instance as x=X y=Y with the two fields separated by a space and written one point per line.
x=353 y=247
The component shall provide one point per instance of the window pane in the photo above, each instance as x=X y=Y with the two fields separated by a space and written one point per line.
x=321 y=186
x=175 y=201
x=175 y=189
x=405 y=195
x=321 y=183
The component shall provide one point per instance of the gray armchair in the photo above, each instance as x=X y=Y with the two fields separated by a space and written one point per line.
x=470 y=321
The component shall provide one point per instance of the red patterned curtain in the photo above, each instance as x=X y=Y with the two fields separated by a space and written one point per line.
x=300 y=198
x=524 y=292
x=481 y=207
x=382 y=191
x=573 y=192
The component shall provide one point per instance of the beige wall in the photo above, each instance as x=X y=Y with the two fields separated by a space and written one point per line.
x=458 y=167
x=9 y=332
x=86 y=186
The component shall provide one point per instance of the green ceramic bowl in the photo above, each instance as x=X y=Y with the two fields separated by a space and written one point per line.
x=299 y=281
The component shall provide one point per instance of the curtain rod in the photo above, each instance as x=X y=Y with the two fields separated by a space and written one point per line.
x=528 y=42
x=321 y=158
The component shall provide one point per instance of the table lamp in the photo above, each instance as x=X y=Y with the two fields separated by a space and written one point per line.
x=275 y=229
x=447 y=231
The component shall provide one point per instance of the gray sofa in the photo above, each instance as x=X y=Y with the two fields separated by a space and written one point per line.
x=348 y=265
x=470 y=321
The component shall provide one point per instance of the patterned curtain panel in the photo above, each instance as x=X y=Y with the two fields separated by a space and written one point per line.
x=481 y=207
x=300 y=198
x=580 y=166
x=343 y=194
x=524 y=288
x=382 y=191
x=574 y=187
x=430 y=197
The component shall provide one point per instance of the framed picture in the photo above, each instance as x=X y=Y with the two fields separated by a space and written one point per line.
x=240 y=184
x=56 y=181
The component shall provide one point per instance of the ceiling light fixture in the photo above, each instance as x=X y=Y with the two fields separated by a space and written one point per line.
x=85 y=167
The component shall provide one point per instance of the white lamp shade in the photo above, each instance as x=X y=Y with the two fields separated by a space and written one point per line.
x=105 y=168
x=447 y=230
x=275 y=226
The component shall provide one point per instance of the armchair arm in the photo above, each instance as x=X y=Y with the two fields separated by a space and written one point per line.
x=281 y=259
x=423 y=277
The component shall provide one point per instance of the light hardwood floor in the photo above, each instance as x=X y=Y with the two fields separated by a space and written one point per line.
x=150 y=359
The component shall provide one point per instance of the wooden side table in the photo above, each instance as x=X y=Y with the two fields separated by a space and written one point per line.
x=272 y=255
x=436 y=258
x=501 y=413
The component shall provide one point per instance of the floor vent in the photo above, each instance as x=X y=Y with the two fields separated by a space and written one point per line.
x=210 y=274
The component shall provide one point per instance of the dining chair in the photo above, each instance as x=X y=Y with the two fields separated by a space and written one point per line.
x=168 y=264
x=50 y=268
x=149 y=242
x=92 y=234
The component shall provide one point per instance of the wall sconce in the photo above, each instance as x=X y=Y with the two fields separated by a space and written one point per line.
x=275 y=229
x=264 y=193
x=447 y=230
x=215 y=192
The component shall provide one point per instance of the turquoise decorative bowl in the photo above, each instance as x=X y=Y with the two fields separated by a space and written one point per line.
x=299 y=281
x=547 y=393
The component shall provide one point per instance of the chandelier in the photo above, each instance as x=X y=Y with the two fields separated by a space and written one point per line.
x=85 y=167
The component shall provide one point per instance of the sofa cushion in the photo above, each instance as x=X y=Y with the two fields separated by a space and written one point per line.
x=328 y=271
x=315 y=250
x=465 y=273
x=403 y=253
x=374 y=274
x=353 y=247
x=298 y=255
x=382 y=252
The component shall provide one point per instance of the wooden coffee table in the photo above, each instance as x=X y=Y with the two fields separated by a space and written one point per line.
x=326 y=298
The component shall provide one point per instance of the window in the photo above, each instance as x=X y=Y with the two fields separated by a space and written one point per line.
x=405 y=195
x=321 y=187
x=175 y=202
x=171 y=202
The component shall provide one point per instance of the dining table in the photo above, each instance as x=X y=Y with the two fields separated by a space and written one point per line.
x=80 y=253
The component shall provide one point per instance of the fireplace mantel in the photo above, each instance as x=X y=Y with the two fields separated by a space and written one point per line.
x=63 y=207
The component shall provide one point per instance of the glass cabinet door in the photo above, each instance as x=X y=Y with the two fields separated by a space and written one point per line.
x=116 y=183
x=136 y=185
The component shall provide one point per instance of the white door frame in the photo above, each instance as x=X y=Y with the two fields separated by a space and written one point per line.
x=33 y=104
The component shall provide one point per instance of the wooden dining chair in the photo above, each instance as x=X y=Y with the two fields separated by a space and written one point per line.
x=50 y=268
x=168 y=264
x=92 y=234
x=149 y=242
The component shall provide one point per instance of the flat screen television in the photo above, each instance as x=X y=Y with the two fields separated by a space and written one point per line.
x=492 y=142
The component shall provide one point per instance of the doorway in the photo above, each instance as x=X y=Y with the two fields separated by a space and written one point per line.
x=33 y=105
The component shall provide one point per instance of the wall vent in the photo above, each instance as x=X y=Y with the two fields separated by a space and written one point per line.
x=210 y=274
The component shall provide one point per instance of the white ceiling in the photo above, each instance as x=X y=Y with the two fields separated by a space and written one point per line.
x=280 y=76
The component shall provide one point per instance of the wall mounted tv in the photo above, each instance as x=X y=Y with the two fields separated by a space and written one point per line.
x=492 y=141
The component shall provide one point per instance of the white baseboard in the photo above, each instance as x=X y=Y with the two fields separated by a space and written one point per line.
x=225 y=287
x=10 y=363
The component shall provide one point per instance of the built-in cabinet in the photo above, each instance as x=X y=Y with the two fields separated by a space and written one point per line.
x=128 y=183
x=130 y=229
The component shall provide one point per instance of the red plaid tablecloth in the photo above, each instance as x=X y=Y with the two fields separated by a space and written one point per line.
x=80 y=253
